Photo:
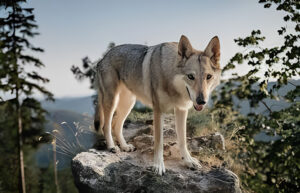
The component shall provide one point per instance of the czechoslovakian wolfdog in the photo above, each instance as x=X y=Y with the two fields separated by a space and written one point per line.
x=167 y=76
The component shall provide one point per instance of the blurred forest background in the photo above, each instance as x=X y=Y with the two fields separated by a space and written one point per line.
x=257 y=110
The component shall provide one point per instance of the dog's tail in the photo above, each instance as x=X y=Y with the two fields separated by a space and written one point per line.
x=99 y=115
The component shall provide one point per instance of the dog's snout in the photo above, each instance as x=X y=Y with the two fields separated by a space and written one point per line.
x=200 y=100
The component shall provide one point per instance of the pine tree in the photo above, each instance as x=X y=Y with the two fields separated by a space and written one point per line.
x=16 y=28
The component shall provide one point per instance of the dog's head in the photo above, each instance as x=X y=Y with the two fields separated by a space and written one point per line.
x=200 y=70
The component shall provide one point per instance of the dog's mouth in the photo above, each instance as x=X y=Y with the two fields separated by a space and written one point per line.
x=198 y=107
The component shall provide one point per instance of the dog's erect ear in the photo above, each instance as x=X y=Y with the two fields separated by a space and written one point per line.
x=213 y=51
x=185 y=49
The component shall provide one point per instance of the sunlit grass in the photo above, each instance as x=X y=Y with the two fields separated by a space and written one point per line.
x=68 y=139
x=139 y=116
x=200 y=123
x=208 y=122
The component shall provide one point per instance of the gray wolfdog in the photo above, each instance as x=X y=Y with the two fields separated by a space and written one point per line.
x=167 y=76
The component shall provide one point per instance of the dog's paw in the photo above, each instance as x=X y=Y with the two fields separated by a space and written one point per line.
x=128 y=148
x=191 y=163
x=159 y=168
x=114 y=149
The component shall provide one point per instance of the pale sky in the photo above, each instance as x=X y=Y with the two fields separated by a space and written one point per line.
x=73 y=29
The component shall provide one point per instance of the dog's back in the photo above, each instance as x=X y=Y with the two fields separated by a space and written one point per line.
x=123 y=57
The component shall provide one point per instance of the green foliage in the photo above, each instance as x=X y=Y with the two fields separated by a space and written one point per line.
x=17 y=27
x=271 y=166
x=32 y=130
x=138 y=116
x=8 y=144
x=88 y=68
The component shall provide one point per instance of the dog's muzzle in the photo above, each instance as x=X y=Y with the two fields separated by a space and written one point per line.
x=196 y=107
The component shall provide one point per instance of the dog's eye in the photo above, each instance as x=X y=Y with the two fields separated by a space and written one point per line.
x=208 y=77
x=191 y=76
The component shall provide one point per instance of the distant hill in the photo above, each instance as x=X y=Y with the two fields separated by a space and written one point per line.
x=76 y=104
x=68 y=116
x=84 y=105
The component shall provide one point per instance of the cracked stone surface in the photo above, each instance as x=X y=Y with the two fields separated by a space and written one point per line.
x=102 y=171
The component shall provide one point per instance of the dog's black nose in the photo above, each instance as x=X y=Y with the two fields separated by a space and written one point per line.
x=200 y=101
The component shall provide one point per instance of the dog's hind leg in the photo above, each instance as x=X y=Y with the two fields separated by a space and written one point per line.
x=109 y=86
x=99 y=117
x=124 y=106
x=109 y=105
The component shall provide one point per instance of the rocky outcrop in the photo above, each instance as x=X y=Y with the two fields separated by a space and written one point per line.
x=102 y=171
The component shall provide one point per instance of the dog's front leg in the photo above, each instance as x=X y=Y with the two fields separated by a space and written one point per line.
x=180 y=124
x=158 y=166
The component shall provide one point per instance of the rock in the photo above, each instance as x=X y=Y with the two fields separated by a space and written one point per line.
x=136 y=129
x=144 y=142
x=214 y=141
x=170 y=134
x=101 y=171
x=149 y=122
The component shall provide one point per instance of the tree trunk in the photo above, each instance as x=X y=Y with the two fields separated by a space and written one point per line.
x=22 y=185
